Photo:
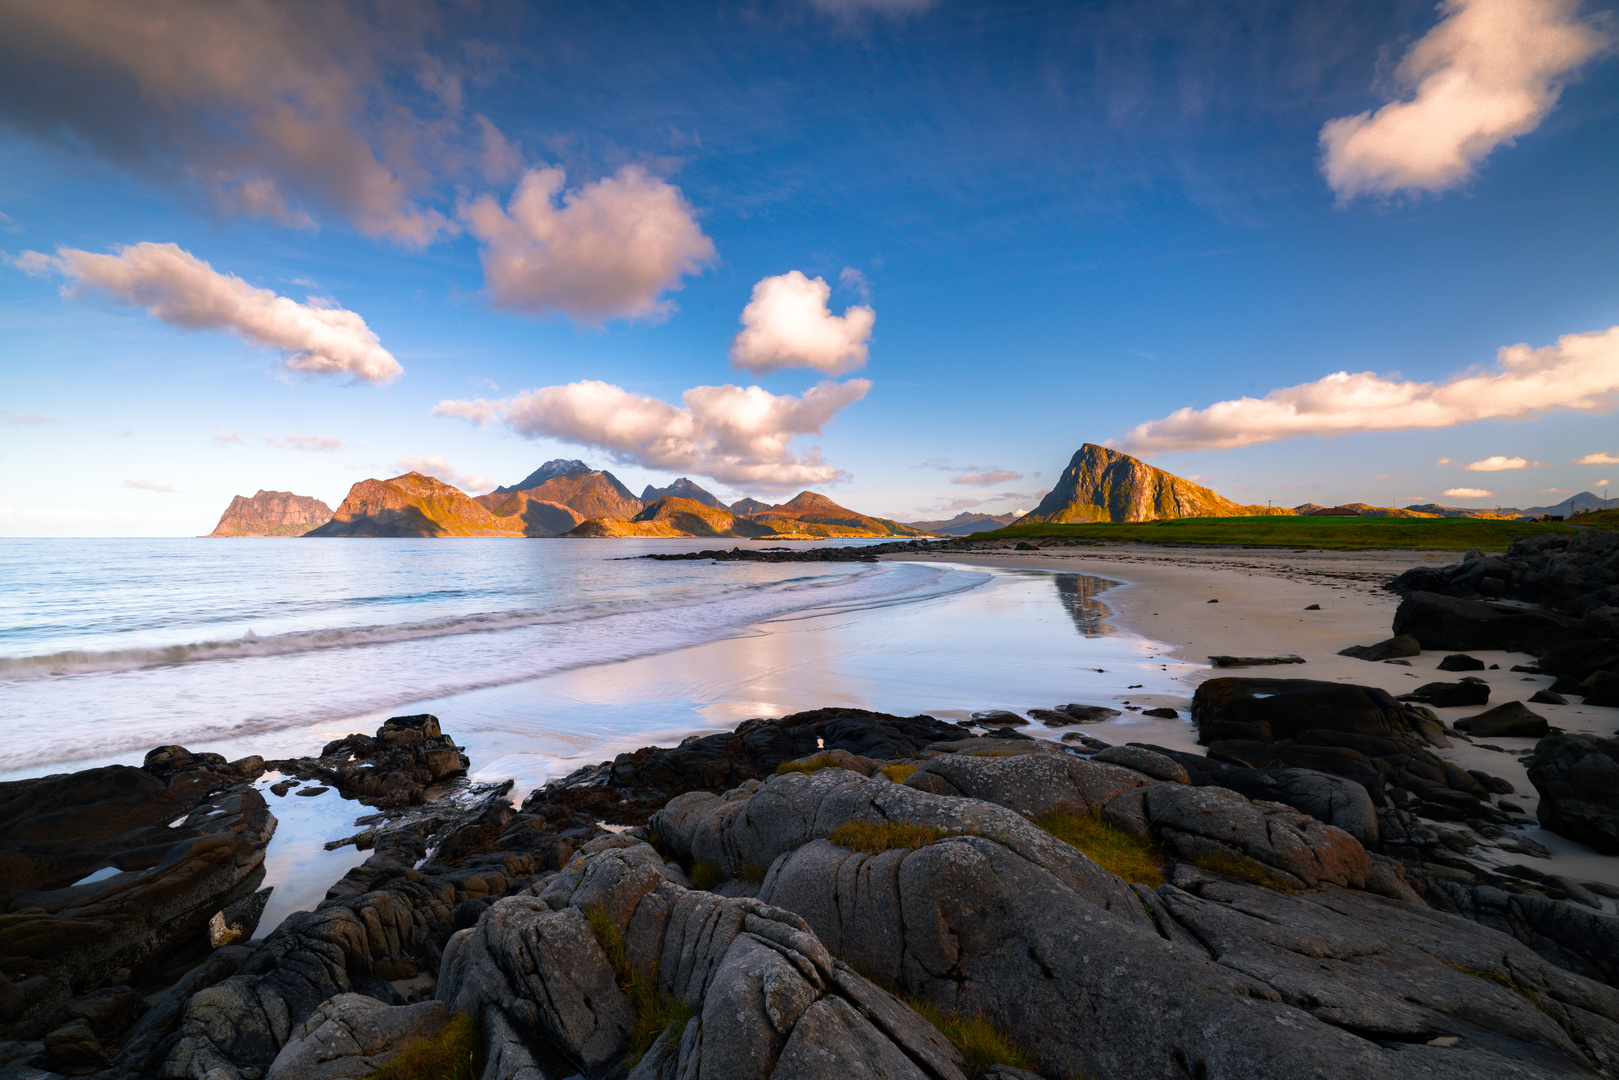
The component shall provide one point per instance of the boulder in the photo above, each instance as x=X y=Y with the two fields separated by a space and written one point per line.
x=1271 y=709
x=1451 y=695
x=1577 y=777
x=391 y=769
x=1582 y=658
x=1390 y=649
x=998 y=718
x=1255 y=661
x=1601 y=688
x=1090 y=714
x=1509 y=720
x=351 y=1036
x=1453 y=623
x=1461 y=662
x=1546 y=697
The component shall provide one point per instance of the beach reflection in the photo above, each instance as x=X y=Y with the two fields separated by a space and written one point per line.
x=1078 y=595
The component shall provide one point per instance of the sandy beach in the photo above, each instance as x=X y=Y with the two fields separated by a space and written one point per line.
x=1263 y=596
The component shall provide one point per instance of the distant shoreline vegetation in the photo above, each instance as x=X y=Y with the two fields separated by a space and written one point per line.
x=1332 y=533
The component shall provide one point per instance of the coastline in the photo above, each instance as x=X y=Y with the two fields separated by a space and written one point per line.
x=1263 y=595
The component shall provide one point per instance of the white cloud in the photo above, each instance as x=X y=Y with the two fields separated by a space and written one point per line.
x=788 y=324
x=1599 y=458
x=177 y=287
x=147 y=485
x=612 y=248
x=435 y=466
x=988 y=478
x=733 y=434
x=1489 y=72
x=265 y=108
x=1602 y=483
x=1498 y=463
x=11 y=419
x=1580 y=372
x=1445 y=461
x=229 y=438
x=1467 y=493
x=310 y=443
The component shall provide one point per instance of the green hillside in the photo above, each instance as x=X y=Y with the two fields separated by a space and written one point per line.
x=1332 y=533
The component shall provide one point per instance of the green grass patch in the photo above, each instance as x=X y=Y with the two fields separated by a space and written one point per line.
x=1242 y=868
x=814 y=764
x=456 y=1053
x=1123 y=854
x=980 y=1041
x=1332 y=533
x=653 y=1011
x=898 y=773
x=704 y=875
x=887 y=835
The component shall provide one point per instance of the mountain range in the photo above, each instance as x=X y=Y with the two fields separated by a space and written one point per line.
x=560 y=498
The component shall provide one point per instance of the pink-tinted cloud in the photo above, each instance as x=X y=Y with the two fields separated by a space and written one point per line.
x=609 y=249
x=180 y=289
x=1489 y=72
x=1580 y=373
x=319 y=444
x=736 y=435
x=986 y=479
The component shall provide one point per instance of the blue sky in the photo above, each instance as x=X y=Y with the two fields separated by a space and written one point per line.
x=1033 y=226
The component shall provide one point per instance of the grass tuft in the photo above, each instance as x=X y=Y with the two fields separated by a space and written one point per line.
x=887 y=835
x=704 y=875
x=1123 y=854
x=814 y=764
x=980 y=1041
x=1243 y=868
x=453 y=1054
x=898 y=773
x=752 y=873
x=653 y=1011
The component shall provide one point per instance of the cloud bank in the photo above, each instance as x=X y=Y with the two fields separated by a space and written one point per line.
x=736 y=435
x=1579 y=373
x=611 y=249
x=788 y=324
x=1599 y=458
x=1499 y=463
x=1468 y=493
x=435 y=466
x=1489 y=72
x=270 y=108
x=180 y=289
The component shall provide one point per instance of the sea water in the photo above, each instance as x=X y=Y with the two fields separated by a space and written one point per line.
x=536 y=655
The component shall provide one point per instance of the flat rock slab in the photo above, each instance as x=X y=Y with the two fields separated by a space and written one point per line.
x=1254 y=661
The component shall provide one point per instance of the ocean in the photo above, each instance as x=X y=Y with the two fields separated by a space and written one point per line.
x=536 y=655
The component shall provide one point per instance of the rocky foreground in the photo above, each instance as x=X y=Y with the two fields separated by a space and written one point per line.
x=852 y=894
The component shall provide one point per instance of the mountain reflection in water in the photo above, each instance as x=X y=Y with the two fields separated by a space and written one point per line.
x=1077 y=593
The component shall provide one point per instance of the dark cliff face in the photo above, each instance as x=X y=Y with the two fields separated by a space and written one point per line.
x=1105 y=485
x=272 y=513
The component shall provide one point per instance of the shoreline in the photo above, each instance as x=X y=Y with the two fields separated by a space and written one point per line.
x=1165 y=594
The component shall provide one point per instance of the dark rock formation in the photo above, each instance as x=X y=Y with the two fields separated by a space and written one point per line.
x=1451 y=695
x=1461 y=662
x=633 y=785
x=1454 y=623
x=394 y=768
x=1357 y=732
x=1577 y=777
x=107 y=869
x=1391 y=649
x=1510 y=720
x=1104 y=485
